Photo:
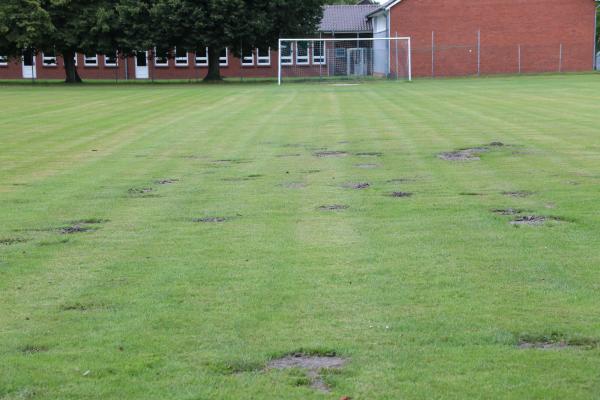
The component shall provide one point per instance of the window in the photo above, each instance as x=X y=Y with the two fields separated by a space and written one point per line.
x=3 y=60
x=111 y=60
x=224 y=58
x=340 y=52
x=202 y=57
x=248 y=59
x=90 y=60
x=49 y=59
x=301 y=53
x=161 y=57
x=263 y=58
x=287 y=53
x=181 y=57
x=318 y=52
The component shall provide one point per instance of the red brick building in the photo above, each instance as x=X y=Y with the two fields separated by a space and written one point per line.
x=449 y=38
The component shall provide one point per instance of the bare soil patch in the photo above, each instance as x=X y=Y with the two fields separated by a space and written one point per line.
x=471 y=154
x=77 y=228
x=12 y=241
x=507 y=211
x=32 y=349
x=401 y=194
x=141 y=192
x=533 y=220
x=333 y=207
x=556 y=341
x=166 y=181
x=358 y=186
x=330 y=153
x=518 y=193
x=288 y=155
x=497 y=144
x=369 y=154
x=312 y=364
x=210 y=220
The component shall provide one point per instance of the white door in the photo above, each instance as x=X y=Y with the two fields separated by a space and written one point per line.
x=29 y=70
x=357 y=62
x=141 y=65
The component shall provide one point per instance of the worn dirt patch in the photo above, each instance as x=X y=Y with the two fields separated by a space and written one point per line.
x=210 y=220
x=507 y=211
x=288 y=155
x=77 y=228
x=556 y=341
x=141 y=192
x=400 y=194
x=312 y=364
x=166 y=181
x=401 y=180
x=330 y=153
x=311 y=171
x=471 y=194
x=366 y=166
x=533 y=220
x=471 y=154
x=358 y=186
x=294 y=185
x=333 y=207
x=497 y=144
x=369 y=154
x=32 y=349
x=91 y=221
x=12 y=241
x=243 y=178
x=518 y=193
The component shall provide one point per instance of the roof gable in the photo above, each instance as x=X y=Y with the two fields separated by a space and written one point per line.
x=347 y=18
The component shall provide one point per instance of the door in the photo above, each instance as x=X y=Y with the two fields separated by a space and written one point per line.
x=357 y=62
x=141 y=65
x=29 y=70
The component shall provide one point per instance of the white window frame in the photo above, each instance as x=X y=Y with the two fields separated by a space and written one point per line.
x=3 y=61
x=201 y=61
x=181 y=61
x=109 y=64
x=156 y=57
x=248 y=60
x=322 y=59
x=46 y=60
x=287 y=60
x=86 y=63
x=224 y=61
x=263 y=61
x=303 y=60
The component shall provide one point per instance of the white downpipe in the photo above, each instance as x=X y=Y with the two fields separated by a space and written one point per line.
x=279 y=64
x=409 y=61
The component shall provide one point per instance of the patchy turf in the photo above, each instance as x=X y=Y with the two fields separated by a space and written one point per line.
x=218 y=261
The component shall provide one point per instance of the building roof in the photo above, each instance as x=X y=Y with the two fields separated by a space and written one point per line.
x=347 y=18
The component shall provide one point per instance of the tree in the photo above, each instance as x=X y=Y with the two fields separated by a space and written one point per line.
x=22 y=25
x=234 y=24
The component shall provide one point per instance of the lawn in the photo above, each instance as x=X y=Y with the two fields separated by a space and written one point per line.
x=168 y=241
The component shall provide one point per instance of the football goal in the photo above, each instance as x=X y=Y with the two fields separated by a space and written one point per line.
x=344 y=59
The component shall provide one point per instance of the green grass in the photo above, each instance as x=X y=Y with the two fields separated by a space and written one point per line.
x=428 y=296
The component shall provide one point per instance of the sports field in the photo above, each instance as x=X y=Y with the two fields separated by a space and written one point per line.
x=441 y=238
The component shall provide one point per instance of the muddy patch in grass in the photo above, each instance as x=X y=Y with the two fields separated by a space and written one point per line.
x=507 y=211
x=369 y=154
x=534 y=220
x=141 y=192
x=288 y=155
x=330 y=153
x=556 y=341
x=12 y=241
x=77 y=228
x=314 y=365
x=400 y=194
x=333 y=207
x=471 y=194
x=471 y=154
x=243 y=178
x=78 y=306
x=33 y=349
x=367 y=166
x=357 y=185
x=210 y=220
x=168 y=181
x=518 y=193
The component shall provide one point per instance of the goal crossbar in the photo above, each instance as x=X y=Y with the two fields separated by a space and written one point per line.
x=387 y=40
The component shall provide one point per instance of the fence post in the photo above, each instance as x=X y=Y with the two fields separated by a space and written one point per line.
x=409 y=60
x=560 y=56
x=479 y=52
x=396 y=42
x=433 y=54
x=279 y=63
x=519 y=58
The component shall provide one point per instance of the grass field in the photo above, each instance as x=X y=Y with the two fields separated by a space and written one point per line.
x=119 y=278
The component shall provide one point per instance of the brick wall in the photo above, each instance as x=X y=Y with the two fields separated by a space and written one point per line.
x=529 y=31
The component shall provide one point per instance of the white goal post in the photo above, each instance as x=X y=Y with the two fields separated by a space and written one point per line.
x=347 y=58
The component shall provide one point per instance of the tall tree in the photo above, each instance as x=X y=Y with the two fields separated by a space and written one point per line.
x=234 y=24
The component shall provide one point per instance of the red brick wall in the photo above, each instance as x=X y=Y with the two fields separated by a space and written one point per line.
x=191 y=72
x=539 y=26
